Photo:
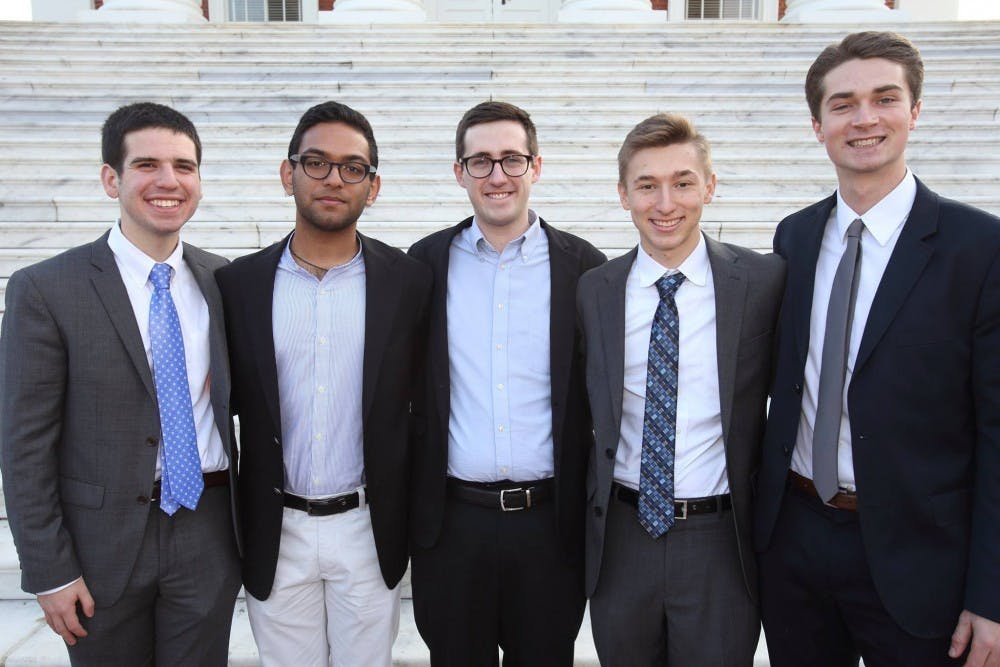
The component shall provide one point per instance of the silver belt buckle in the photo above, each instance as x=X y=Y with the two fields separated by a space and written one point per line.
x=684 y=506
x=503 y=499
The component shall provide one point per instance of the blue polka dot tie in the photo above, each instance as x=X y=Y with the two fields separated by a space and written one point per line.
x=181 y=482
x=656 y=472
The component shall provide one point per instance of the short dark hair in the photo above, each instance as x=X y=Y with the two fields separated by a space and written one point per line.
x=862 y=46
x=335 y=112
x=141 y=116
x=663 y=129
x=492 y=111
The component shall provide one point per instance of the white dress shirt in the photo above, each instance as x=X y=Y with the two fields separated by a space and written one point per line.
x=699 y=454
x=882 y=225
x=192 y=310
x=498 y=351
x=319 y=347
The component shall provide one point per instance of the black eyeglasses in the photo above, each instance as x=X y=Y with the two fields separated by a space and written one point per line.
x=481 y=166
x=318 y=168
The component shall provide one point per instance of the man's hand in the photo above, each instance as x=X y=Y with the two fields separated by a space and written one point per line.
x=985 y=636
x=60 y=610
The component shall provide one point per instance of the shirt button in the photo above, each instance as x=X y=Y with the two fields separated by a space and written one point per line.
x=500 y=386
x=499 y=346
x=500 y=428
x=321 y=389
x=318 y=436
x=503 y=267
x=499 y=306
x=322 y=340
x=503 y=469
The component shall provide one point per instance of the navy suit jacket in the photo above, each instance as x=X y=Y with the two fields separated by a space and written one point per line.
x=924 y=405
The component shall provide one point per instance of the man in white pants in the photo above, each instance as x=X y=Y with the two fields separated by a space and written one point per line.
x=324 y=328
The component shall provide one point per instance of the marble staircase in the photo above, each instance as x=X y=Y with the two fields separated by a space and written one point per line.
x=245 y=86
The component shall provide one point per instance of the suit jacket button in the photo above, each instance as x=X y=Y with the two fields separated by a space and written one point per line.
x=152 y=442
x=798 y=389
x=142 y=500
x=786 y=449
x=598 y=511
x=609 y=453
x=276 y=491
x=277 y=441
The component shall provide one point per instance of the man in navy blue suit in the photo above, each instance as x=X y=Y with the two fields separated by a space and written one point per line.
x=878 y=519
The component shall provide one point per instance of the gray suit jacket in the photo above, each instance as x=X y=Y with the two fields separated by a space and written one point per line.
x=79 y=425
x=748 y=290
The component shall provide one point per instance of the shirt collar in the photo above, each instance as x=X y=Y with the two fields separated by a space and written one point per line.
x=288 y=263
x=474 y=241
x=695 y=268
x=133 y=263
x=884 y=218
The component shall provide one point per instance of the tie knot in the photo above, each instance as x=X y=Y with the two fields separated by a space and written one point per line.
x=855 y=228
x=160 y=276
x=667 y=285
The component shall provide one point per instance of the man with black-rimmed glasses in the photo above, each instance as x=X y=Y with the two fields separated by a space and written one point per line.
x=498 y=475
x=325 y=329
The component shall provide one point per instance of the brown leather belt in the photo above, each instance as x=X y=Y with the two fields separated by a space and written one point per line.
x=503 y=496
x=682 y=508
x=842 y=501
x=217 y=478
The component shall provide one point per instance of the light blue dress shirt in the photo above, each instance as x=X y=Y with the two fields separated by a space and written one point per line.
x=319 y=344
x=498 y=351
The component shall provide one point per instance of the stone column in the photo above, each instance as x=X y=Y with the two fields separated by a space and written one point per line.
x=609 y=11
x=146 y=11
x=375 y=11
x=840 y=11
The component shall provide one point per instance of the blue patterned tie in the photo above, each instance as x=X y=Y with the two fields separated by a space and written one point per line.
x=656 y=472
x=181 y=482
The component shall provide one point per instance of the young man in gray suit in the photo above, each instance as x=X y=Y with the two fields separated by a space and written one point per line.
x=678 y=346
x=116 y=444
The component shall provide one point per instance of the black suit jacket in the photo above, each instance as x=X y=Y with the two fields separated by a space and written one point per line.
x=397 y=289
x=569 y=257
x=924 y=404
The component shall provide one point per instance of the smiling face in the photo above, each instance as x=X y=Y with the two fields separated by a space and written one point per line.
x=330 y=204
x=158 y=189
x=499 y=201
x=866 y=116
x=665 y=189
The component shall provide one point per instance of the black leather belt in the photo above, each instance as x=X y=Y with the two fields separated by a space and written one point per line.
x=503 y=496
x=682 y=508
x=324 y=506
x=217 y=478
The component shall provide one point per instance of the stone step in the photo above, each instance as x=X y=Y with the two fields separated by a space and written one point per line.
x=563 y=185
x=25 y=640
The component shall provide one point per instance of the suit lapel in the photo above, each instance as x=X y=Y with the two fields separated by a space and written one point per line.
x=383 y=291
x=730 y=303
x=258 y=321
x=611 y=309
x=907 y=262
x=802 y=253
x=563 y=274
x=438 y=256
x=107 y=281
x=218 y=354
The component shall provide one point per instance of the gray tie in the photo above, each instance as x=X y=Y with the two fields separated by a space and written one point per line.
x=830 y=402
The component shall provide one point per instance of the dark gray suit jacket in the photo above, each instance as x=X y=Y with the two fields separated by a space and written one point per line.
x=747 y=295
x=80 y=426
